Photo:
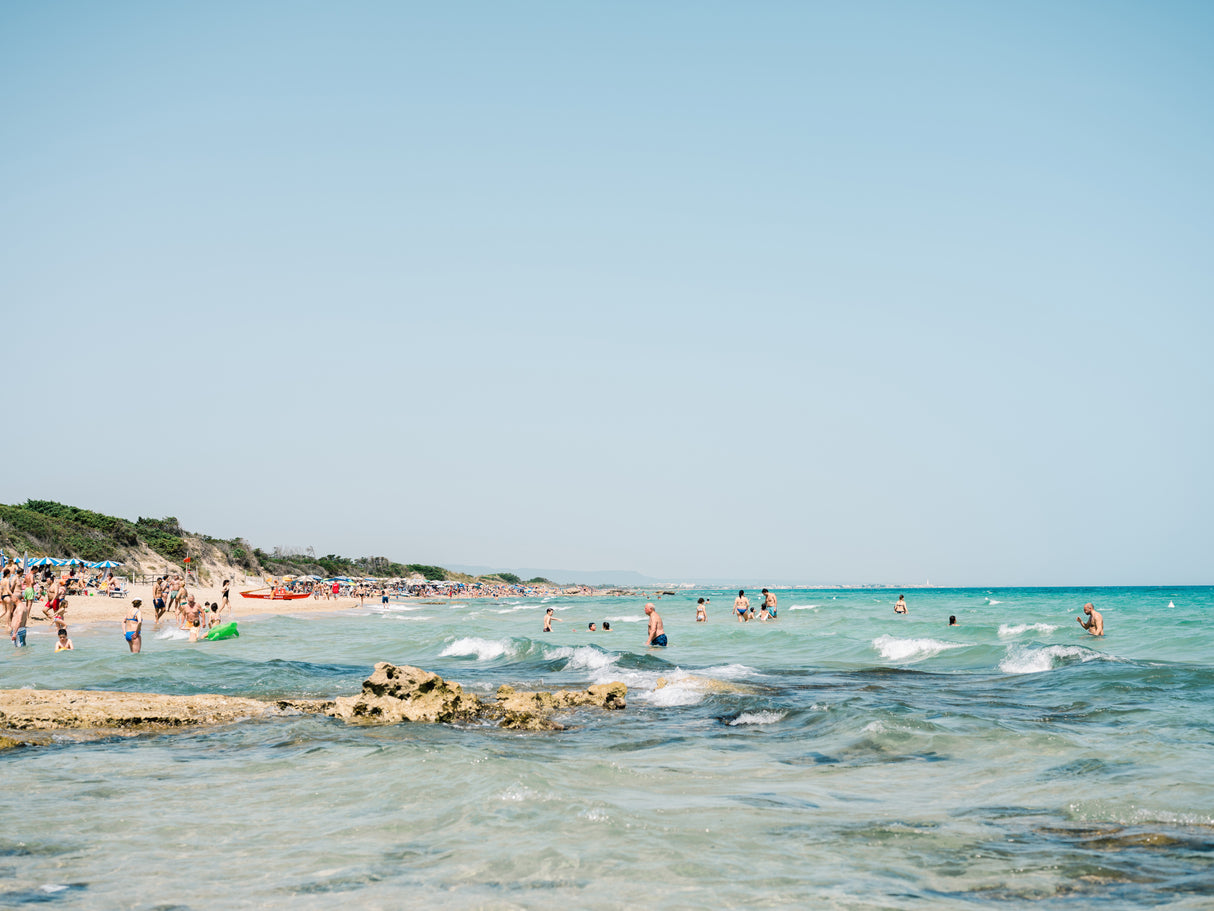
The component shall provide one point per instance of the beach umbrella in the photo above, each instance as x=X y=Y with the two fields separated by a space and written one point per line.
x=71 y=561
x=107 y=564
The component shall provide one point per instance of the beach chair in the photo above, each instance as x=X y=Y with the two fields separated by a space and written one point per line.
x=119 y=590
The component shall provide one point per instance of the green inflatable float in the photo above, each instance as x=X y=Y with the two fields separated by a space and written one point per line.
x=227 y=631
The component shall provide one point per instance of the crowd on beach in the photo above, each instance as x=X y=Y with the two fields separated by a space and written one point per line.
x=22 y=588
x=369 y=589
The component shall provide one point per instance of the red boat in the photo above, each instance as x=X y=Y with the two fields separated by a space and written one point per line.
x=278 y=594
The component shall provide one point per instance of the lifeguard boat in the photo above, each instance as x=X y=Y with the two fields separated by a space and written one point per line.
x=275 y=594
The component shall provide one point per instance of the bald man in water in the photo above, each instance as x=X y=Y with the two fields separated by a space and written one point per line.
x=657 y=635
x=1095 y=624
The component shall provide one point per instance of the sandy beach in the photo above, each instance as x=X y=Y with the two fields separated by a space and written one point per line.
x=89 y=610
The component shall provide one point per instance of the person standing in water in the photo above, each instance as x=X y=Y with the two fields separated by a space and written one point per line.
x=769 y=603
x=1095 y=624
x=701 y=613
x=741 y=605
x=132 y=626
x=657 y=636
x=900 y=607
x=548 y=618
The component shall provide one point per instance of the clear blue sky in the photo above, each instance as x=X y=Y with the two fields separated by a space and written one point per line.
x=829 y=293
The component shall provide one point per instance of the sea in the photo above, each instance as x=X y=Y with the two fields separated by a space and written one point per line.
x=841 y=756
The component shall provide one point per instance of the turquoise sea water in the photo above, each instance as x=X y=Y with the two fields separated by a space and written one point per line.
x=842 y=757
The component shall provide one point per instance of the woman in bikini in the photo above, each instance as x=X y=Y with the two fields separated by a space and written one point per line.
x=132 y=625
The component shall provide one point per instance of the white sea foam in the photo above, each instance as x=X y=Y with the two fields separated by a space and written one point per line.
x=1023 y=659
x=993 y=601
x=874 y=727
x=892 y=648
x=587 y=657
x=483 y=649
x=758 y=718
x=1015 y=629
x=677 y=686
x=728 y=671
x=628 y=619
x=679 y=690
x=171 y=632
x=804 y=607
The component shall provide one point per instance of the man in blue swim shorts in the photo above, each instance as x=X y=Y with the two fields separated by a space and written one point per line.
x=657 y=636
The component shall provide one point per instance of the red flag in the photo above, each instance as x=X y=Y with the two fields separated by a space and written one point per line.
x=187 y=559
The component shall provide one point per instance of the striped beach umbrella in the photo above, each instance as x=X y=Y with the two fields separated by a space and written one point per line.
x=107 y=564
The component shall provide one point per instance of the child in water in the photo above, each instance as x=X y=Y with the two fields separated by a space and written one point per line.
x=64 y=644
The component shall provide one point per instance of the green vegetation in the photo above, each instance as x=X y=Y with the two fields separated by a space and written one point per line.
x=44 y=527
x=540 y=580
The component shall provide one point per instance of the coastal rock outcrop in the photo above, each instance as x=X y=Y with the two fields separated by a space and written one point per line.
x=532 y=711
x=48 y=710
x=392 y=695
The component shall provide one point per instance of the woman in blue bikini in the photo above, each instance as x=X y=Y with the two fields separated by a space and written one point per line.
x=132 y=625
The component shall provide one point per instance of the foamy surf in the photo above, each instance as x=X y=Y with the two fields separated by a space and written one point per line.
x=891 y=648
x=582 y=657
x=482 y=649
x=1016 y=629
x=757 y=718
x=804 y=607
x=993 y=601
x=172 y=633
x=1023 y=659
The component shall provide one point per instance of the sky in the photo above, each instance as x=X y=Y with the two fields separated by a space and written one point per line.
x=812 y=292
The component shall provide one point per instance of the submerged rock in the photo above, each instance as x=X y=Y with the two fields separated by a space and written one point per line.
x=532 y=711
x=48 y=710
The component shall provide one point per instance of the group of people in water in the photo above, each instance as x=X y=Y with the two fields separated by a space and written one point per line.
x=745 y=612
x=656 y=632
x=1094 y=623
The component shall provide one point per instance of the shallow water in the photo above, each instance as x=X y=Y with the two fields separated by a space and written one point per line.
x=840 y=757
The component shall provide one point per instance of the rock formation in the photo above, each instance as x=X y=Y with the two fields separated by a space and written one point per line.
x=391 y=695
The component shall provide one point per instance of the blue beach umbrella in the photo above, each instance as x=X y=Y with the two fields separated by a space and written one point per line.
x=106 y=564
